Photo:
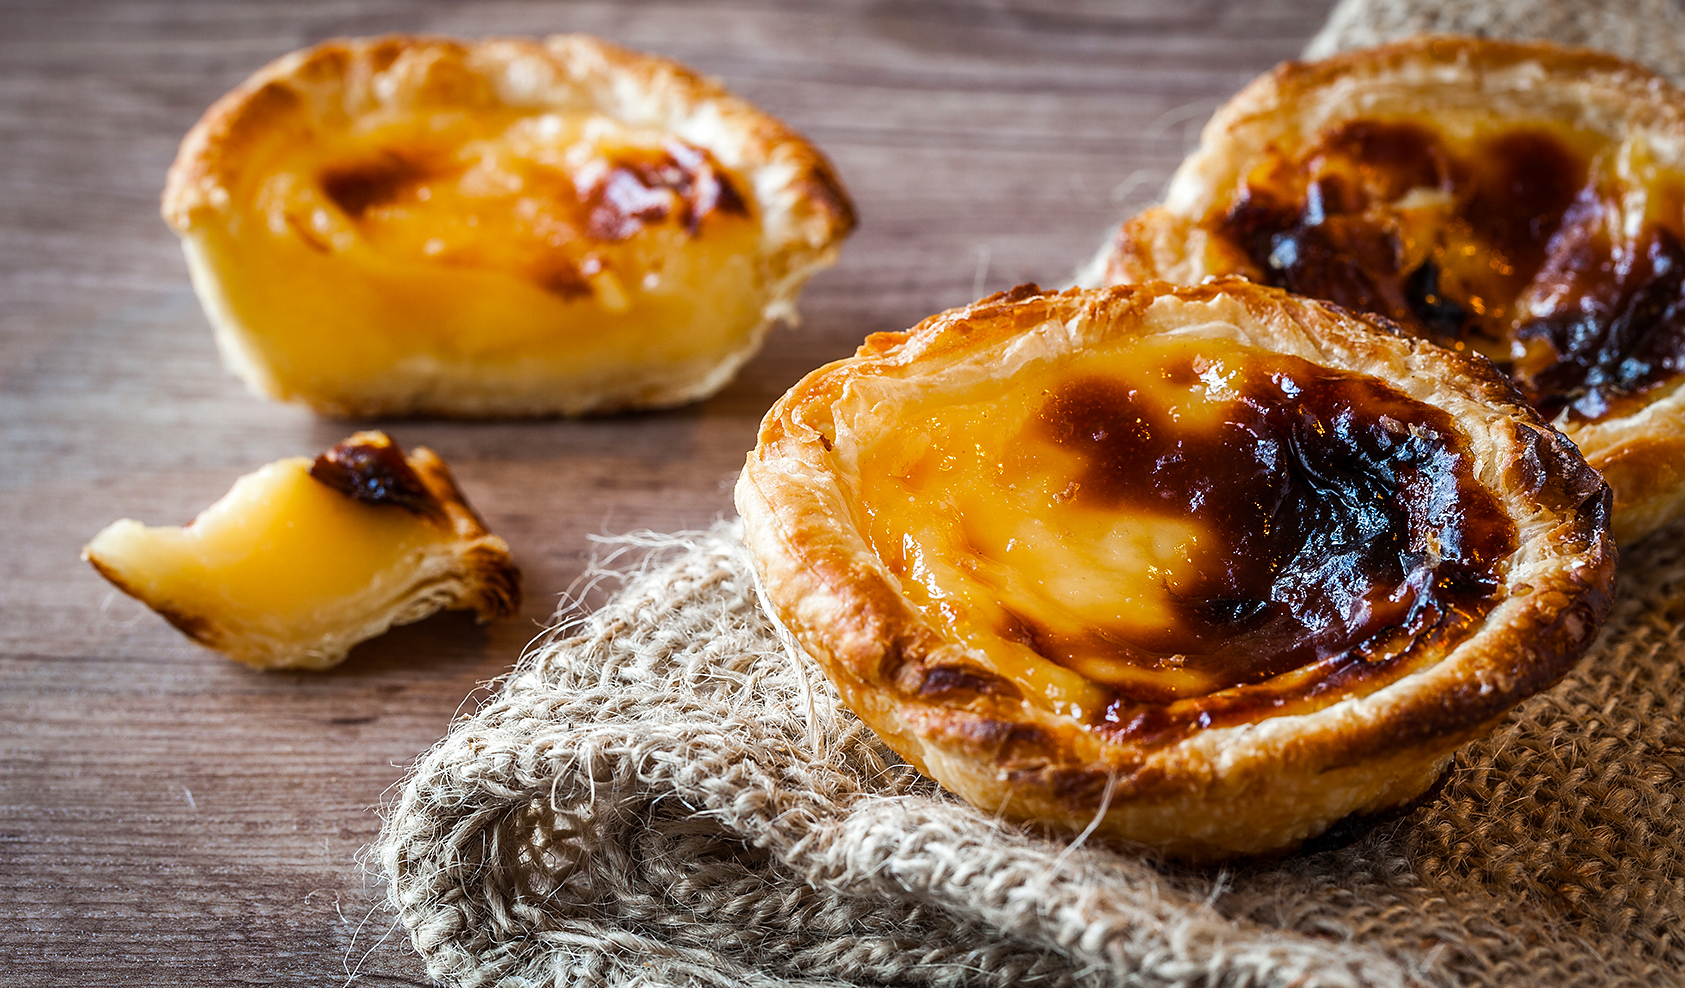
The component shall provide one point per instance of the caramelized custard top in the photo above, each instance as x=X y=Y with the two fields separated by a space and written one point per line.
x=1554 y=252
x=1186 y=531
x=581 y=205
x=370 y=467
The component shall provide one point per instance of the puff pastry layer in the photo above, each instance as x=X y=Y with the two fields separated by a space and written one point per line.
x=305 y=558
x=1525 y=201
x=510 y=227
x=1179 y=563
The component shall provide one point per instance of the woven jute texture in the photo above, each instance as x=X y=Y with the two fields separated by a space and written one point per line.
x=1650 y=32
x=663 y=794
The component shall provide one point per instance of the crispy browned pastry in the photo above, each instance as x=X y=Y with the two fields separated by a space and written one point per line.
x=1208 y=568
x=507 y=227
x=1526 y=201
x=304 y=559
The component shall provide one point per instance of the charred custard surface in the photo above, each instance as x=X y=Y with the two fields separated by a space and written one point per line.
x=370 y=467
x=1556 y=253
x=1187 y=531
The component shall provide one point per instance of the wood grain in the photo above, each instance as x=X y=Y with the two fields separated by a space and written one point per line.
x=169 y=817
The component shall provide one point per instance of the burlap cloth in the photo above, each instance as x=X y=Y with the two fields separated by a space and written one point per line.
x=663 y=794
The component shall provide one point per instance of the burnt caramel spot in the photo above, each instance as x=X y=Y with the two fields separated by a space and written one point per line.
x=1520 y=215
x=941 y=681
x=363 y=185
x=645 y=189
x=1014 y=627
x=1394 y=158
x=561 y=277
x=370 y=467
x=1524 y=183
x=1619 y=327
x=1005 y=740
x=1442 y=319
x=1346 y=529
x=1344 y=259
x=1551 y=471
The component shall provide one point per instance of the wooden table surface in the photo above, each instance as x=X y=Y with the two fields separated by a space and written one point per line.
x=169 y=817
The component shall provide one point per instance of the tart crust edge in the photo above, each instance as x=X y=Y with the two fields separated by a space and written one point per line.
x=1222 y=792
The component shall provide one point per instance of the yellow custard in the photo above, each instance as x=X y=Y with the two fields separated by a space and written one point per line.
x=473 y=240
x=272 y=554
x=304 y=558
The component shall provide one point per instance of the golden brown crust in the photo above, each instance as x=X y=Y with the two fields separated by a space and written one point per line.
x=196 y=627
x=799 y=203
x=492 y=581
x=1251 y=789
x=1513 y=83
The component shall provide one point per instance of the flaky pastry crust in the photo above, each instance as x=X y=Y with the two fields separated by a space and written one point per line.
x=307 y=306
x=1448 y=84
x=1253 y=788
x=463 y=567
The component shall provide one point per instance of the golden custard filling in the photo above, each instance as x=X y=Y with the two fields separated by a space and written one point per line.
x=1178 y=531
x=279 y=550
x=303 y=559
x=488 y=233
x=1557 y=252
x=582 y=206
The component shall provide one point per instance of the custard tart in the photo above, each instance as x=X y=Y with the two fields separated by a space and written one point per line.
x=1520 y=200
x=410 y=225
x=1207 y=569
x=305 y=558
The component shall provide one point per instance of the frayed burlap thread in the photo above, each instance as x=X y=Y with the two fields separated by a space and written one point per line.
x=664 y=794
x=1650 y=32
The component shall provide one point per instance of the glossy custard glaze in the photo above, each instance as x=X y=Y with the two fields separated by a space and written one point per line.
x=581 y=204
x=281 y=552
x=1185 y=532
x=1555 y=252
x=453 y=231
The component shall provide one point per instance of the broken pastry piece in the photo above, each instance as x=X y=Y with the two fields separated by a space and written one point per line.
x=1520 y=200
x=1207 y=569
x=304 y=559
x=410 y=225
